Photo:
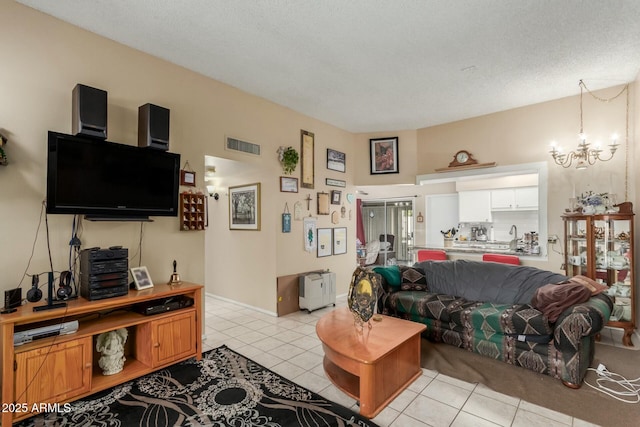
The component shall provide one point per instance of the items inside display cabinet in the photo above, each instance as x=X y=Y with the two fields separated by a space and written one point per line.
x=601 y=247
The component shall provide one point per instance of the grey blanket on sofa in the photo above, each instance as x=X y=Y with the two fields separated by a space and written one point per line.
x=486 y=281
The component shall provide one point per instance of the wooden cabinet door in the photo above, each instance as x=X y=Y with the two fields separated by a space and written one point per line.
x=53 y=374
x=173 y=338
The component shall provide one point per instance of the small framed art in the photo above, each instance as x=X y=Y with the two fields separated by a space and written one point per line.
x=340 y=240
x=336 y=197
x=323 y=204
x=336 y=182
x=288 y=184
x=336 y=160
x=325 y=243
x=141 y=278
x=383 y=154
x=187 y=178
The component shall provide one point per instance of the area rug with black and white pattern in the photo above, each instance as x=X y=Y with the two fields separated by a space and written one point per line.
x=223 y=389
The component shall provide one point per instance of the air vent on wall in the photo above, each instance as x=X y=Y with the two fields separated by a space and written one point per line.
x=243 y=146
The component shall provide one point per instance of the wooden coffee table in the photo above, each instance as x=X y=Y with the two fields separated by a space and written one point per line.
x=372 y=366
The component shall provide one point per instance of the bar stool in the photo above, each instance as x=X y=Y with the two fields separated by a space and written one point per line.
x=431 y=255
x=504 y=259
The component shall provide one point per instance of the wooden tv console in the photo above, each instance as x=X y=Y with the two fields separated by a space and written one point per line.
x=64 y=368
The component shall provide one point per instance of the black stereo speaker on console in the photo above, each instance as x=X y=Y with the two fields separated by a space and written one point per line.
x=104 y=273
x=89 y=112
x=153 y=127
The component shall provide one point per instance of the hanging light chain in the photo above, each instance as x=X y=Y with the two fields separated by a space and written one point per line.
x=626 y=136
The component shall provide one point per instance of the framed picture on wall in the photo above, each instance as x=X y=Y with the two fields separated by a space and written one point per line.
x=325 y=242
x=383 y=153
x=323 y=204
x=244 y=207
x=306 y=154
x=187 y=178
x=336 y=197
x=336 y=160
x=340 y=240
x=336 y=182
x=288 y=184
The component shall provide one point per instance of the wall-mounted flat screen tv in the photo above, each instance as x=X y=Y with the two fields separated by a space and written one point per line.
x=106 y=180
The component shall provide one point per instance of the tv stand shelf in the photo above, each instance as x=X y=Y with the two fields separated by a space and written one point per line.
x=65 y=367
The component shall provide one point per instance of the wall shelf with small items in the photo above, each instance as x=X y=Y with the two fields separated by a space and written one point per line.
x=193 y=211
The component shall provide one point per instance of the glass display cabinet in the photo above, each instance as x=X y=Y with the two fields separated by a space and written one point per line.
x=601 y=247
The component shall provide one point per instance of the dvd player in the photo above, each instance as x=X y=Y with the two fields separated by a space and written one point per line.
x=29 y=335
x=164 y=305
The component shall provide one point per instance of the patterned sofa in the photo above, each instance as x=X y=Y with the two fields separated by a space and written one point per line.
x=485 y=307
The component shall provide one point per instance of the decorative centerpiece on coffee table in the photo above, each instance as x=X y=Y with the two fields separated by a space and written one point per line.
x=363 y=296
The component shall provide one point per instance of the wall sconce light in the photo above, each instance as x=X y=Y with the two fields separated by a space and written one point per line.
x=211 y=190
x=209 y=177
x=3 y=156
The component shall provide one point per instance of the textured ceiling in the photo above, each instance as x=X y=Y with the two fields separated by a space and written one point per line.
x=372 y=65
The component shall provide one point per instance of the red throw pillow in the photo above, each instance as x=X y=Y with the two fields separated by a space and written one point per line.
x=553 y=299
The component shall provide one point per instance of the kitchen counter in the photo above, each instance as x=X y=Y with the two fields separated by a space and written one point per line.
x=476 y=247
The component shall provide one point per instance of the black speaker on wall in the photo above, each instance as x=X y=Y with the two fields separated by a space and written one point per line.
x=153 y=127
x=89 y=112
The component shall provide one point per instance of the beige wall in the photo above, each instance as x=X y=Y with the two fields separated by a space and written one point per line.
x=45 y=58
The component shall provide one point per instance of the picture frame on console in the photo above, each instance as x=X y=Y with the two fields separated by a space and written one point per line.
x=141 y=278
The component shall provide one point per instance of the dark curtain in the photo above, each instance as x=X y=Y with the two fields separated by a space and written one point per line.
x=359 y=222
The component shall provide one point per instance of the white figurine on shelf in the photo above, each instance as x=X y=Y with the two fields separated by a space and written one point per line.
x=111 y=346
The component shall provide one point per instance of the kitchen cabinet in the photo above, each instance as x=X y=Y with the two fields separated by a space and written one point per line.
x=519 y=198
x=601 y=247
x=474 y=206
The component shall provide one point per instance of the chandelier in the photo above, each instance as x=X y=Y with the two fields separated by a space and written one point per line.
x=586 y=155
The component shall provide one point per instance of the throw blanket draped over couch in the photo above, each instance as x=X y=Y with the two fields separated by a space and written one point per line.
x=486 y=308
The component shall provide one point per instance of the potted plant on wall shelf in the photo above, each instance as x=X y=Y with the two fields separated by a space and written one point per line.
x=288 y=157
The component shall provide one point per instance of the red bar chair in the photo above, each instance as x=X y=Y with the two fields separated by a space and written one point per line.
x=504 y=259
x=430 y=255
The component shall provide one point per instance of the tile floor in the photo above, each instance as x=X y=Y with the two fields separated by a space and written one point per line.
x=289 y=346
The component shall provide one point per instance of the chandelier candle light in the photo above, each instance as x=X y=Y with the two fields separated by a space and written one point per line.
x=584 y=154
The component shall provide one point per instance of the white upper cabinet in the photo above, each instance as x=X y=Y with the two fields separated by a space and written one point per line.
x=474 y=206
x=519 y=198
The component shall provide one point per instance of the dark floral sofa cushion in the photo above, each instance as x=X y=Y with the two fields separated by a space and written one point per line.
x=412 y=279
x=509 y=319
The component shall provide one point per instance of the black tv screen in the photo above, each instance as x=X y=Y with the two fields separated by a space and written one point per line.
x=98 y=178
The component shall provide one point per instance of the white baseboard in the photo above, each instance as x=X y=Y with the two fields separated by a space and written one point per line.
x=258 y=309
